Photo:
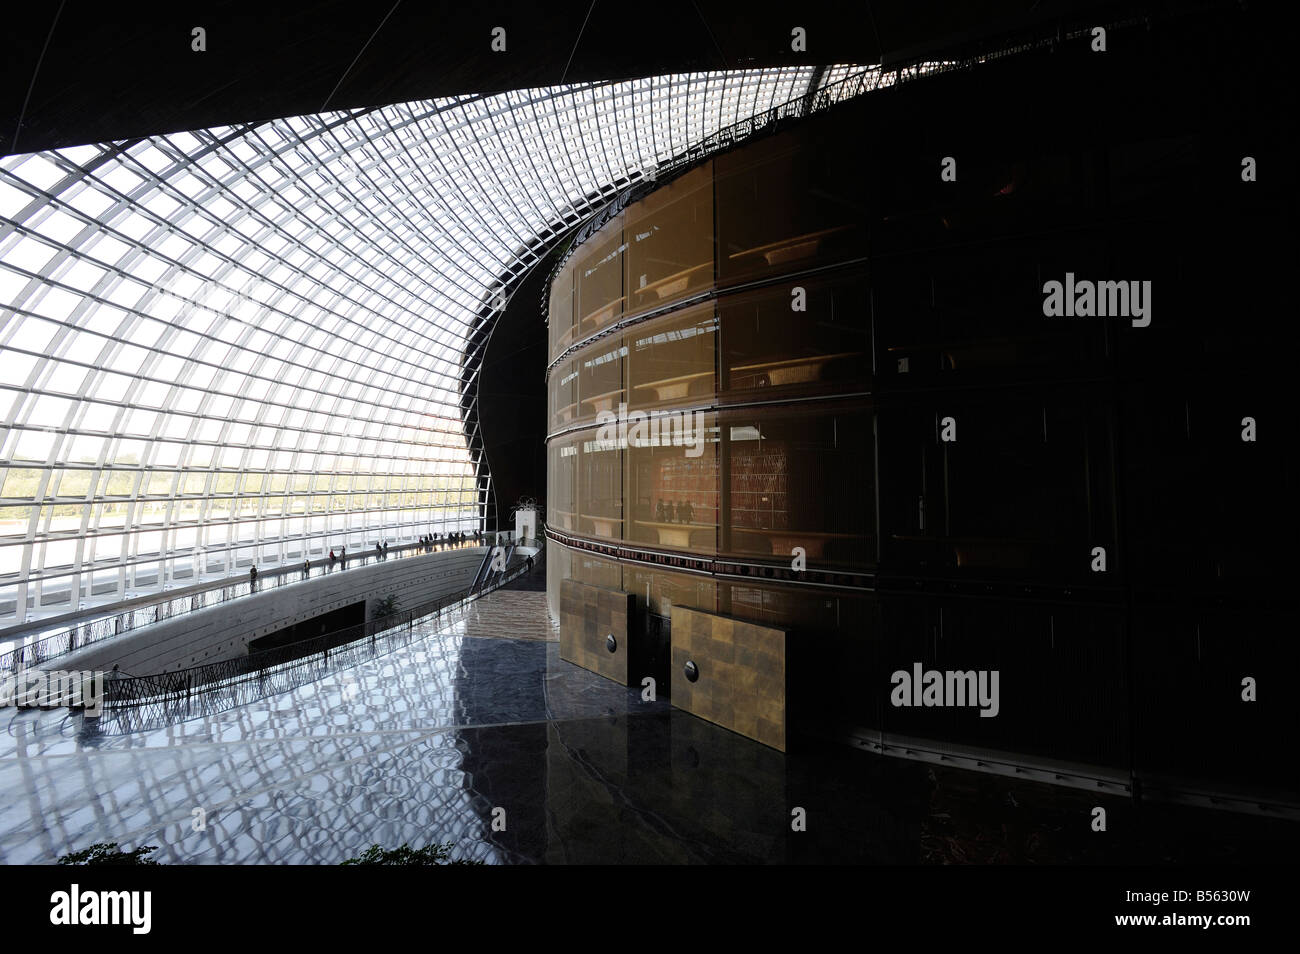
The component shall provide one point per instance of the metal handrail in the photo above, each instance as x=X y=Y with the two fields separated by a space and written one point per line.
x=36 y=652
x=768 y=121
x=138 y=703
x=479 y=574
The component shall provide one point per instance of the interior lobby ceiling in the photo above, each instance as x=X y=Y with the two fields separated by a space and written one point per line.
x=78 y=72
x=208 y=334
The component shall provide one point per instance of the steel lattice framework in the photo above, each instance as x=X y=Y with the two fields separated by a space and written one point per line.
x=248 y=343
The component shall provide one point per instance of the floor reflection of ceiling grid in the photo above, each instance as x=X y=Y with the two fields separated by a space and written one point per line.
x=366 y=755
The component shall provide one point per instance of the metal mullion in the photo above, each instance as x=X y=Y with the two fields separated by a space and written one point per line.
x=373 y=191
x=291 y=214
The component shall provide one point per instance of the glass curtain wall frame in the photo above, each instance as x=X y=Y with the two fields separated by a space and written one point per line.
x=244 y=344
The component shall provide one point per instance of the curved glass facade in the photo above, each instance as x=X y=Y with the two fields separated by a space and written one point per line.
x=728 y=381
x=246 y=344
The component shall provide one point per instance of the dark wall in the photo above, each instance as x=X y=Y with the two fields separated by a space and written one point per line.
x=78 y=72
x=512 y=397
x=354 y=614
x=1073 y=433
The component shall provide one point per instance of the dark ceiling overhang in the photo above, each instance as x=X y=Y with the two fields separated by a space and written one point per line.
x=77 y=72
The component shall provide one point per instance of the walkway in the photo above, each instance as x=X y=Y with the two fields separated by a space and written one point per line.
x=428 y=743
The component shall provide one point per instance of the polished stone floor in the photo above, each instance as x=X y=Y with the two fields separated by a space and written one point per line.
x=518 y=614
x=440 y=739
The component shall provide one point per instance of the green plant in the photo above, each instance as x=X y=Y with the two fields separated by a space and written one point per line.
x=386 y=607
x=434 y=854
x=107 y=853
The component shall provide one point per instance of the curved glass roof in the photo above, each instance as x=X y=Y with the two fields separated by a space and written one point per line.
x=246 y=343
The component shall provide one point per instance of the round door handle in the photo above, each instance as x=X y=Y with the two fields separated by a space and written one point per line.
x=692 y=671
x=610 y=642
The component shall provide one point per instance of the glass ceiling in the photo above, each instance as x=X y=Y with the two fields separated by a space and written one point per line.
x=246 y=343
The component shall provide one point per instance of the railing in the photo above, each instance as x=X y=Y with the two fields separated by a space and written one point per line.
x=768 y=121
x=38 y=651
x=139 y=703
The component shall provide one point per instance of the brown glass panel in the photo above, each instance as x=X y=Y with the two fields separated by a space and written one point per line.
x=600 y=484
x=599 y=280
x=560 y=311
x=673 y=361
x=669 y=238
x=672 y=481
x=597 y=570
x=660 y=590
x=782 y=207
x=559 y=567
x=809 y=338
x=600 y=377
x=562 y=484
x=801 y=480
x=784 y=607
x=562 y=390
x=975 y=315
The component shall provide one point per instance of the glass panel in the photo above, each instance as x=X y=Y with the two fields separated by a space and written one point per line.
x=670 y=241
x=562 y=389
x=814 y=338
x=600 y=378
x=801 y=480
x=559 y=561
x=673 y=360
x=560 y=310
x=562 y=484
x=597 y=570
x=784 y=208
x=782 y=607
x=672 y=481
x=600 y=483
x=599 y=279
x=662 y=590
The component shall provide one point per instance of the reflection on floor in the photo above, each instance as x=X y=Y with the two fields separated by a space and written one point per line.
x=513 y=613
x=420 y=746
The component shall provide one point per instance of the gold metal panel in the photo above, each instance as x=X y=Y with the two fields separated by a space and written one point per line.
x=741 y=684
x=588 y=615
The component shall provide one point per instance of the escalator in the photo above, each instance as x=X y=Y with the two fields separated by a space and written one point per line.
x=491 y=575
x=483 y=569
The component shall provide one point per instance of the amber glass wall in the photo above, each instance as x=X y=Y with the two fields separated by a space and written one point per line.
x=800 y=478
x=673 y=491
x=797 y=339
x=952 y=461
x=639 y=452
x=711 y=369
x=598 y=280
x=783 y=207
x=673 y=361
x=600 y=485
x=669 y=241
